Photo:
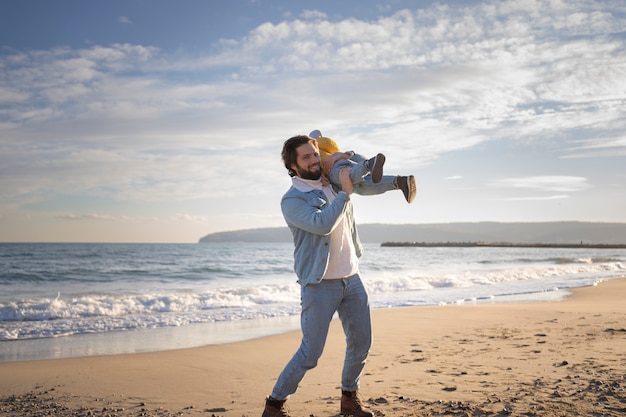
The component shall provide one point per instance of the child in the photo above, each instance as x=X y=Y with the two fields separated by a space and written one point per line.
x=366 y=174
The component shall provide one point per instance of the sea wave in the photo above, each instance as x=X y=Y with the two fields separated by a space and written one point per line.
x=416 y=280
x=62 y=315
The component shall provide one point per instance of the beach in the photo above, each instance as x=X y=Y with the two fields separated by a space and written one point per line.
x=558 y=358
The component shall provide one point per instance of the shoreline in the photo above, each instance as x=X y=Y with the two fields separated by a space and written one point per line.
x=548 y=358
x=206 y=334
x=159 y=339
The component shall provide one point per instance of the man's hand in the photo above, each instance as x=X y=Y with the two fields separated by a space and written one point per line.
x=346 y=182
x=328 y=163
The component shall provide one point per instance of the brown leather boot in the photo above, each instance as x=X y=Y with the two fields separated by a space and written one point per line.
x=275 y=408
x=351 y=405
x=408 y=187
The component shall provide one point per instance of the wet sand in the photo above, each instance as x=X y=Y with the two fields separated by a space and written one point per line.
x=563 y=358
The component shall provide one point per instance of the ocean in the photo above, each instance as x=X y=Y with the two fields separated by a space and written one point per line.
x=61 y=300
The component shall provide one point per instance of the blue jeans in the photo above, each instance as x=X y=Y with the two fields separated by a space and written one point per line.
x=362 y=182
x=349 y=299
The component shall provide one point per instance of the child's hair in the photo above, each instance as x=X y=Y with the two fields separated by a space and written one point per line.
x=290 y=153
x=327 y=146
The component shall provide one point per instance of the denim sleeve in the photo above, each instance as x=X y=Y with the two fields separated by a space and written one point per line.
x=313 y=214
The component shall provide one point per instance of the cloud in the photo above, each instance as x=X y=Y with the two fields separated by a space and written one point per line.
x=136 y=123
x=191 y=218
x=476 y=69
x=97 y=217
x=548 y=198
x=313 y=15
x=124 y=20
x=598 y=147
x=106 y=218
x=558 y=183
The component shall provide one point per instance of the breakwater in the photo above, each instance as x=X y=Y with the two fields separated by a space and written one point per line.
x=581 y=245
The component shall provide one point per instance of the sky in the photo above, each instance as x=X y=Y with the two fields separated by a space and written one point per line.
x=163 y=121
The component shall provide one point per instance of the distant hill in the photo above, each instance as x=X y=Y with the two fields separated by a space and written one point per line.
x=543 y=232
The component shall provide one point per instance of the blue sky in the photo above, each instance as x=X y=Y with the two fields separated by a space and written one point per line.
x=162 y=121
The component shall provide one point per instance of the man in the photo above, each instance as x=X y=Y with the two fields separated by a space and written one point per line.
x=327 y=249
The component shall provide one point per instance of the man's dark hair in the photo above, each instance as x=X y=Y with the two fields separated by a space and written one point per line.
x=290 y=153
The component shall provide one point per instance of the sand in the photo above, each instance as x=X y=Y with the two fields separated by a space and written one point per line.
x=563 y=358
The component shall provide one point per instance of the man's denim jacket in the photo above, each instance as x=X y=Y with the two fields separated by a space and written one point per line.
x=311 y=219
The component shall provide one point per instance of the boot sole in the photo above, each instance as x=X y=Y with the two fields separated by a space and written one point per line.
x=377 y=170
x=412 y=189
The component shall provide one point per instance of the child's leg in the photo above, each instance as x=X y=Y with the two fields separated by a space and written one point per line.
x=388 y=182
x=364 y=166
x=367 y=187
x=333 y=175
x=359 y=168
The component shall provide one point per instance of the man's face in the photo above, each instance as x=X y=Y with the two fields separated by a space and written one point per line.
x=307 y=164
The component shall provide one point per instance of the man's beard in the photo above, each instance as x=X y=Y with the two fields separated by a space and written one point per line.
x=309 y=175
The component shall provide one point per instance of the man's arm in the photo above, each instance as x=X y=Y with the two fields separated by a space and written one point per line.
x=345 y=181
x=328 y=162
x=309 y=213
x=305 y=212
